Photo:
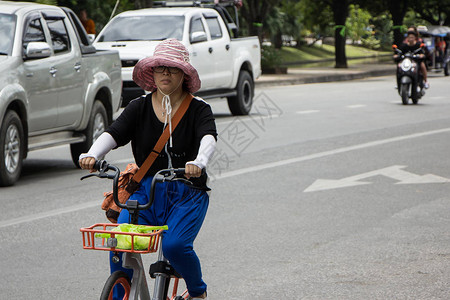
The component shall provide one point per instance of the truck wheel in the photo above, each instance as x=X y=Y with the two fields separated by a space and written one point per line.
x=96 y=126
x=241 y=104
x=12 y=148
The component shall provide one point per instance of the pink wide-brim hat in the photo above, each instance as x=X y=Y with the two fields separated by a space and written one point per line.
x=168 y=53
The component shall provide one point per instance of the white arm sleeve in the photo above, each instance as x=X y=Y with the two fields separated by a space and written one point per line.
x=205 y=152
x=101 y=146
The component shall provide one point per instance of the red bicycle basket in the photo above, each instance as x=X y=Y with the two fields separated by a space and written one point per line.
x=93 y=242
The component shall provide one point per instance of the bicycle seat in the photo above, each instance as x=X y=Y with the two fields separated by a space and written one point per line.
x=163 y=267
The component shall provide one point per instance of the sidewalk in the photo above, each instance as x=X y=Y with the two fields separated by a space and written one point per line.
x=326 y=74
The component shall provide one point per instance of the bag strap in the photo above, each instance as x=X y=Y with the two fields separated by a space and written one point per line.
x=162 y=140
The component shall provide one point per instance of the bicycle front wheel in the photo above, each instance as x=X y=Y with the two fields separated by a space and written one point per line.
x=118 y=281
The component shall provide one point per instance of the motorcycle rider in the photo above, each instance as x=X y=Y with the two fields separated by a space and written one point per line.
x=412 y=45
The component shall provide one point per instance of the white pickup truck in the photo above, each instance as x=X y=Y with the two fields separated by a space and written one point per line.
x=227 y=66
x=55 y=87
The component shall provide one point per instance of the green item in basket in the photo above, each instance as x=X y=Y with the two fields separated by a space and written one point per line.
x=124 y=241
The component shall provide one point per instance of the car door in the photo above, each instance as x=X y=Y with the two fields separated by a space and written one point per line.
x=38 y=81
x=201 y=53
x=221 y=51
x=70 y=73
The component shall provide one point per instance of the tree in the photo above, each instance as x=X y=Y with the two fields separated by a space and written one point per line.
x=339 y=9
x=436 y=12
x=340 y=14
x=255 y=13
x=357 y=22
x=275 y=26
x=398 y=9
x=292 y=24
x=383 y=30
x=315 y=17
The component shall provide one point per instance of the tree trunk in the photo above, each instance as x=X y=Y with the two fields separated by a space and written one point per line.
x=340 y=13
x=255 y=12
x=398 y=10
x=278 y=40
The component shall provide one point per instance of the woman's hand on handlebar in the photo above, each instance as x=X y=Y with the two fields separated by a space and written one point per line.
x=87 y=163
x=192 y=171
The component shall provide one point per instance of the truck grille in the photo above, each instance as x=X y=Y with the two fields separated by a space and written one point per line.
x=129 y=63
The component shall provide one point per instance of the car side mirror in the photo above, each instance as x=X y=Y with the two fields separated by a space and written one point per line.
x=198 y=36
x=38 y=50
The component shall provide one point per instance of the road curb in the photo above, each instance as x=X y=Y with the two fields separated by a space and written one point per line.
x=305 y=79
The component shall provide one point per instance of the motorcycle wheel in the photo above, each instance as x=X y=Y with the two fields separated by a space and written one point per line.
x=446 y=69
x=404 y=93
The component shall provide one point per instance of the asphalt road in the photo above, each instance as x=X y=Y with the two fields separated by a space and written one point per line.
x=327 y=191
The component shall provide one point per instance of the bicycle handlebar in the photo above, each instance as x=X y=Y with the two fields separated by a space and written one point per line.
x=133 y=206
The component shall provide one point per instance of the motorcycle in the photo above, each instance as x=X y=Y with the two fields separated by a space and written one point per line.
x=409 y=78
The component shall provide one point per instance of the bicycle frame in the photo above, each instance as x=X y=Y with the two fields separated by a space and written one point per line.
x=160 y=279
x=139 y=286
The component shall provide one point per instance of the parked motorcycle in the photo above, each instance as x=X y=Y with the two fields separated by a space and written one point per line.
x=409 y=78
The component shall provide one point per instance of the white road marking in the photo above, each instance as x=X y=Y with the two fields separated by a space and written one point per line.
x=50 y=213
x=356 y=106
x=301 y=112
x=394 y=172
x=238 y=172
x=329 y=153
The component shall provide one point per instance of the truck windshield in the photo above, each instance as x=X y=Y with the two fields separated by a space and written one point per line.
x=7 y=30
x=143 y=28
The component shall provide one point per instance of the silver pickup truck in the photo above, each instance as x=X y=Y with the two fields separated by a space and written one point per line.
x=55 y=87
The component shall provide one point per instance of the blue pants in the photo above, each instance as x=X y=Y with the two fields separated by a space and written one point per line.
x=183 y=209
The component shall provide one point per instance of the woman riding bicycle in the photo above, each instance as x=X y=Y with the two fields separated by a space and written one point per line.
x=170 y=78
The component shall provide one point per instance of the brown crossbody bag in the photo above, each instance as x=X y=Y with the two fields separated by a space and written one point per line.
x=131 y=177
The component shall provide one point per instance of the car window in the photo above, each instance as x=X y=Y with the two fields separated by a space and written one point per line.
x=59 y=35
x=214 y=28
x=7 y=30
x=196 y=25
x=143 y=28
x=33 y=32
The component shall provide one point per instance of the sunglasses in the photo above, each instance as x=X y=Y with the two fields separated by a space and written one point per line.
x=161 y=69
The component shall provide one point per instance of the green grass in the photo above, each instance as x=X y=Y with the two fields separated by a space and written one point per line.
x=289 y=54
